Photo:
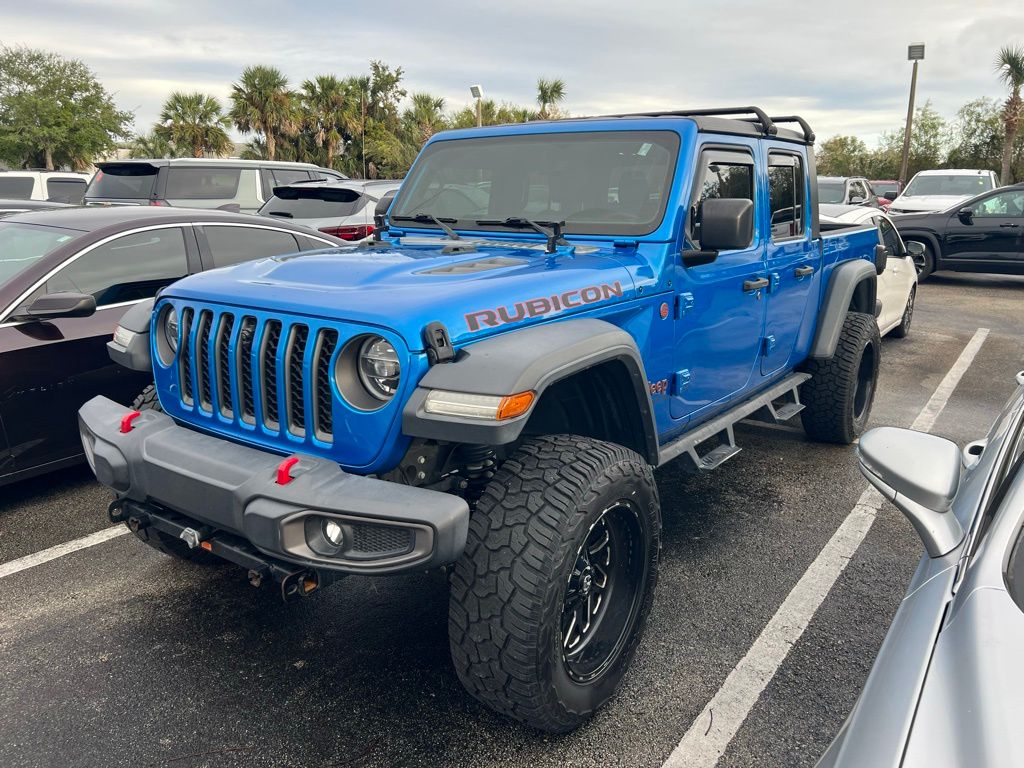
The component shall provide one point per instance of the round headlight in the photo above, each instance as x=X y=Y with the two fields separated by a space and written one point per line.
x=171 y=329
x=333 y=532
x=379 y=369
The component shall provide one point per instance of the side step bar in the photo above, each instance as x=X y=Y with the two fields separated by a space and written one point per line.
x=779 y=403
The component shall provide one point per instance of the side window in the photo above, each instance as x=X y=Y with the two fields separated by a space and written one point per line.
x=232 y=245
x=786 y=195
x=65 y=190
x=1003 y=205
x=857 y=192
x=289 y=176
x=889 y=236
x=128 y=268
x=202 y=183
x=723 y=174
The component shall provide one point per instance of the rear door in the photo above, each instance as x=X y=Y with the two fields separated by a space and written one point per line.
x=718 y=324
x=793 y=260
x=223 y=245
x=991 y=234
x=212 y=186
x=64 y=362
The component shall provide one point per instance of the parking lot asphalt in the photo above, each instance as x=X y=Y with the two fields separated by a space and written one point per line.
x=115 y=655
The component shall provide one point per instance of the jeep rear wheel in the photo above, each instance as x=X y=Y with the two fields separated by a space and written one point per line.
x=550 y=597
x=838 y=396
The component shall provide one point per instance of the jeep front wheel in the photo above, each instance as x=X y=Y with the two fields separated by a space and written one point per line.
x=550 y=597
x=838 y=396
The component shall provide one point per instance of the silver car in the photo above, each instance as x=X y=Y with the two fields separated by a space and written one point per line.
x=341 y=208
x=947 y=688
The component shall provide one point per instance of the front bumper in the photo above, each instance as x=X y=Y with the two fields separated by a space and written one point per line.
x=389 y=527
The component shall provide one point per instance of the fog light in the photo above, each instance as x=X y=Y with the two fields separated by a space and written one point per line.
x=333 y=532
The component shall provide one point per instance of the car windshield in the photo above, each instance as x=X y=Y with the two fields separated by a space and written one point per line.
x=599 y=183
x=22 y=245
x=831 y=191
x=958 y=185
x=312 y=203
x=131 y=181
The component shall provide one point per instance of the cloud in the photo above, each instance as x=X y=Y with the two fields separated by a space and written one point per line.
x=842 y=65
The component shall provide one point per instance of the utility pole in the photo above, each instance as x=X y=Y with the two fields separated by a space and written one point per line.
x=915 y=53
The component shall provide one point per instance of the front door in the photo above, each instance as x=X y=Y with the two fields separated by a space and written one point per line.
x=991 y=233
x=793 y=261
x=718 y=324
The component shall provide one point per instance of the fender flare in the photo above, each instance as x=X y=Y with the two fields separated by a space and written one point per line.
x=135 y=356
x=844 y=280
x=531 y=359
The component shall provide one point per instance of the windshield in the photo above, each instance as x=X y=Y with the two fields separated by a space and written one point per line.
x=881 y=187
x=22 y=245
x=943 y=184
x=599 y=183
x=315 y=203
x=123 y=182
x=831 y=191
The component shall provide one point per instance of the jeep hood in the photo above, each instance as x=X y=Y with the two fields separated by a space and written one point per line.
x=474 y=292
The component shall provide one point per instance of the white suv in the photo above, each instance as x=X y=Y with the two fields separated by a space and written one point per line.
x=54 y=186
x=942 y=189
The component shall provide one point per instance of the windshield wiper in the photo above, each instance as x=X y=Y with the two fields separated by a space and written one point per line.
x=429 y=218
x=552 y=230
x=283 y=214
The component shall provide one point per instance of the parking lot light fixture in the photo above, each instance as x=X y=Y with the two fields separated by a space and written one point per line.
x=477 y=92
x=915 y=53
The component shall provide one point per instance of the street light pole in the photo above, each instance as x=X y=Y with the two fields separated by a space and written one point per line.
x=915 y=53
x=477 y=92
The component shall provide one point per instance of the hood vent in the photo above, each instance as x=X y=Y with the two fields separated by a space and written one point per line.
x=473 y=267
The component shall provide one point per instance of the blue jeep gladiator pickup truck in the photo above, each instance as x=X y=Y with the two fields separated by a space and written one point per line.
x=557 y=309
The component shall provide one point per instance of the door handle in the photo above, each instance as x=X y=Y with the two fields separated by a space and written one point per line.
x=755 y=285
x=1009 y=226
x=803 y=271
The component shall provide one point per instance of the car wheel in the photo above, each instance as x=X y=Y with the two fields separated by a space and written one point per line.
x=549 y=599
x=901 y=330
x=838 y=397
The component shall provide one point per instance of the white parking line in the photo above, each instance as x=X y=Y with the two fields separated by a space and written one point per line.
x=710 y=733
x=46 y=555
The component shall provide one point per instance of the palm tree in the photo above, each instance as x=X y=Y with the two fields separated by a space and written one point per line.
x=549 y=93
x=262 y=103
x=1010 y=66
x=328 y=112
x=194 y=122
x=424 y=117
x=151 y=145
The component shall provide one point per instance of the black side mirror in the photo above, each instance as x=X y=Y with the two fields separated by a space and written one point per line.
x=51 y=306
x=725 y=224
x=881 y=258
x=965 y=214
x=380 y=211
x=914 y=248
x=891 y=195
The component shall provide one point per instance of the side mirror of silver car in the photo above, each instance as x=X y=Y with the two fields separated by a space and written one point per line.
x=920 y=474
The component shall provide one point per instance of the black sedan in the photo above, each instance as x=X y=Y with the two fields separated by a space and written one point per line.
x=983 y=234
x=66 y=277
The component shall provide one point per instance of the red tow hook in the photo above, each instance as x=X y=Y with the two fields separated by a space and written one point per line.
x=284 y=470
x=126 y=421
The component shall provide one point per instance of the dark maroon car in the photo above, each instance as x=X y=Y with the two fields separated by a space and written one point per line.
x=66 y=278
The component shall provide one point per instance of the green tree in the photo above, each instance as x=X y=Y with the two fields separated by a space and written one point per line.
x=152 y=145
x=54 y=112
x=261 y=103
x=1010 y=67
x=194 y=123
x=842 y=156
x=328 y=112
x=424 y=117
x=928 y=142
x=549 y=94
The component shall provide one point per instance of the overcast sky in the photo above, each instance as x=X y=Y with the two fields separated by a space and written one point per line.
x=840 y=64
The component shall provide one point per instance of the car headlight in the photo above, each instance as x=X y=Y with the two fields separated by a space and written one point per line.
x=379 y=368
x=171 y=329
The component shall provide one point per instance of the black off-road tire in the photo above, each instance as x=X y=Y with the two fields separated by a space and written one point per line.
x=148 y=400
x=158 y=540
x=520 y=580
x=901 y=330
x=837 y=399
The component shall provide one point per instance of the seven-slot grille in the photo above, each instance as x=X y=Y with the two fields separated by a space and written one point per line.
x=254 y=371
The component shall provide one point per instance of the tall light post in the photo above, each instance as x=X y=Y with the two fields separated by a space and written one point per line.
x=915 y=53
x=477 y=91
